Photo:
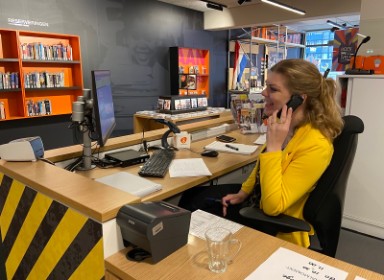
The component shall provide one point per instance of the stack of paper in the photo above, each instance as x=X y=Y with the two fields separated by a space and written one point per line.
x=130 y=183
x=231 y=148
x=189 y=167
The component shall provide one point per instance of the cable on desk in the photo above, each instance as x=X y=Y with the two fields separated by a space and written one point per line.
x=138 y=254
x=47 y=161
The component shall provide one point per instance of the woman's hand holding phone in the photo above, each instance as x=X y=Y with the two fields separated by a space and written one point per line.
x=278 y=129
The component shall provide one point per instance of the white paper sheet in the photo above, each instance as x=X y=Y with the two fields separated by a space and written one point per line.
x=190 y=167
x=130 y=183
x=201 y=221
x=289 y=265
x=261 y=139
x=231 y=148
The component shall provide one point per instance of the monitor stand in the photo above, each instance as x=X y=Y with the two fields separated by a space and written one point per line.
x=86 y=161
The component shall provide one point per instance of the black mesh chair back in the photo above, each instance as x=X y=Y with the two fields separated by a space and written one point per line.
x=324 y=207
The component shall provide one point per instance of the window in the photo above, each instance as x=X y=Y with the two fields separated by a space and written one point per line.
x=319 y=48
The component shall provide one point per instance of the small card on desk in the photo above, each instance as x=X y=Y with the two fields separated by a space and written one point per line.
x=231 y=148
x=130 y=183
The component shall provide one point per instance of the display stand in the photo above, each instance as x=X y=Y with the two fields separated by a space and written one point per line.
x=177 y=104
x=189 y=71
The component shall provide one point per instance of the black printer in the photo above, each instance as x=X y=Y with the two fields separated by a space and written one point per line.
x=158 y=227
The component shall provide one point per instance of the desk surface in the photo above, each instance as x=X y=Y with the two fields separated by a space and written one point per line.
x=190 y=261
x=220 y=165
x=102 y=202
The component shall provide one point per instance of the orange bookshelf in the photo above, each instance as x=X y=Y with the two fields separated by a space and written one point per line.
x=44 y=68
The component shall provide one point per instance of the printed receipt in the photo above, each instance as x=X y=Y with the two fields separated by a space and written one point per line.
x=201 y=221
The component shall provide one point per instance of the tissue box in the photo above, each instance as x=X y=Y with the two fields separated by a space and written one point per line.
x=182 y=140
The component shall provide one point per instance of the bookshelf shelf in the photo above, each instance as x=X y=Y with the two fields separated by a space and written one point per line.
x=4 y=60
x=52 y=88
x=42 y=70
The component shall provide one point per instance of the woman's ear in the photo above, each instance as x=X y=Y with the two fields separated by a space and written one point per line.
x=304 y=96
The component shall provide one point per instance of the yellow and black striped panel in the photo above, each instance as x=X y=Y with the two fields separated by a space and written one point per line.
x=43 y=239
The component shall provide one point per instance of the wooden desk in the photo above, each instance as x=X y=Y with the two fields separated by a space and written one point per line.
x=71 y=211
x=191 y=261
x=145 y=122
x=222 y=164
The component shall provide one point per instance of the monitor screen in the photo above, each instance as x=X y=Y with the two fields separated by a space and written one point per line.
x=104 y=113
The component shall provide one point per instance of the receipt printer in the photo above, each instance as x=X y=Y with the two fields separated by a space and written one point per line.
x=158 y=227
x=23 y=149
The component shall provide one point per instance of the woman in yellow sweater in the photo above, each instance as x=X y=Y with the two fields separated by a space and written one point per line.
x=297 y=152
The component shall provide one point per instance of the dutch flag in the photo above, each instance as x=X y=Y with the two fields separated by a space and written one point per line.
x=239 y=65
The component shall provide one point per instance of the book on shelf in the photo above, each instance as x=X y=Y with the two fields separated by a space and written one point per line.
x=40 y=51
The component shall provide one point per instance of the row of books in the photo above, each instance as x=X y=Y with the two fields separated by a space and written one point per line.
x=273 y=34
x=2 y=111
x=248 y=113
x=182 y=104
x=39 y=51
x=43 y=80
x=9 y=80
x=39 y=108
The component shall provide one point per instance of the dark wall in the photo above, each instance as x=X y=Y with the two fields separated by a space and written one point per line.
x=129 y=37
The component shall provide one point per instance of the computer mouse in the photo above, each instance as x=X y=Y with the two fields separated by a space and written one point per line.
x=209 y=153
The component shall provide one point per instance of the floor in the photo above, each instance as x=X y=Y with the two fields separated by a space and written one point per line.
x=361 y=250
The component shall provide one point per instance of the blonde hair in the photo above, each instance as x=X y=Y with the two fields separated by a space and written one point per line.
x=322 y=110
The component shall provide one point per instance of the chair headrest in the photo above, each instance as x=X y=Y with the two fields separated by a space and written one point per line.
x=352 y=125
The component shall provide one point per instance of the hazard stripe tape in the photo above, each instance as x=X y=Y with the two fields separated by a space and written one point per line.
x=44 y=239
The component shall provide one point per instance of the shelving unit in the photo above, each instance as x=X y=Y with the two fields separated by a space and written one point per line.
x=264 y=46
x=51 y=62
x=189 y=69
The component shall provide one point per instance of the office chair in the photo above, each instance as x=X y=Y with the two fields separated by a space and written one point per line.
x=324 y=207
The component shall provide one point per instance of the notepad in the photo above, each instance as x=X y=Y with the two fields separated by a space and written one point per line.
x=130 y=183
x=240 y=148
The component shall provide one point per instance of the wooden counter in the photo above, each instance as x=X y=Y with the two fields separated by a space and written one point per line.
x=61 y=224
x=191 y=261
x=92 y=198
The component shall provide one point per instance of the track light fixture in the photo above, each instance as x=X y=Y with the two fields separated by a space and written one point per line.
x=338 y=25
x=242 y=1
x=284 y=6
x=215 y=6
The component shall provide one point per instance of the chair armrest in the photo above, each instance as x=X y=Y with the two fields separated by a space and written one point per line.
x=283 y=223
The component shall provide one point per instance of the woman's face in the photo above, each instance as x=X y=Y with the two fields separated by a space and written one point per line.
x=275 y=93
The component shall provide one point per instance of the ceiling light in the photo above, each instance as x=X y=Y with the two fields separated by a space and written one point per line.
x=284 y=6
x=215 y=6
x=335 y=24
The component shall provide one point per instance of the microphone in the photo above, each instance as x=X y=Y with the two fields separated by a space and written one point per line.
x=353 y=70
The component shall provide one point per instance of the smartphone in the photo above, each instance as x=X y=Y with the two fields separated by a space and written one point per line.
x=225 y=138
x=294 y=102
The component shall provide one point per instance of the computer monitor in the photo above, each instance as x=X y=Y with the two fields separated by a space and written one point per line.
x=104 y=114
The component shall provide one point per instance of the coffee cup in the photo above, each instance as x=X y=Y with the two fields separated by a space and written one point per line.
x=222 y=248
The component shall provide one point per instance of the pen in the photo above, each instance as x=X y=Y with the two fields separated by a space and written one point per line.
x=232 y=147
x=213 y=199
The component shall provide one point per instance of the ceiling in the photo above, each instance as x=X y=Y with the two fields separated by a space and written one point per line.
x=317 y=24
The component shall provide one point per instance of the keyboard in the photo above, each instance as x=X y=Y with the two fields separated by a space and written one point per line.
x=157 y=165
